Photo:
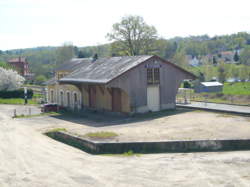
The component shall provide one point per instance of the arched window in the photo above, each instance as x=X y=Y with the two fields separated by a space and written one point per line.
x=68 y=99
x=52 y=96
x=61 y=98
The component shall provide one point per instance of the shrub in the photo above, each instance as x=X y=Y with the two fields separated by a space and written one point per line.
x=16 y=94
x=186 y=84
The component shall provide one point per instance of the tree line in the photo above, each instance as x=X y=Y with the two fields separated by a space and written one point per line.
x=133 y=36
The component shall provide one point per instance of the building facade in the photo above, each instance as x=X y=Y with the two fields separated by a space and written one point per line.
x=129 y=84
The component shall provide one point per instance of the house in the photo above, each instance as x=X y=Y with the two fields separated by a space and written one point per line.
x=208 y=87
x=193 y=61
x=21 y=65
x=127 y=84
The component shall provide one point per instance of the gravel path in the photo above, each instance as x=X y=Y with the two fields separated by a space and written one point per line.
x=30 y=159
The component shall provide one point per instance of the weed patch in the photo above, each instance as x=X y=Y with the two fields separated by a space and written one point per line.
x=101 y=134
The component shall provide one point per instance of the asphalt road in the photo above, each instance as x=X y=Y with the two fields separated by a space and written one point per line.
x=30 y=159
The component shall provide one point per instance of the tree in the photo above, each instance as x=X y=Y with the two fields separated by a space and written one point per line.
x=10 y=79
x=214 y=61
x=81 y=54
x=236 y=56
x=243 y=73
x=180 y=59
x=64 y=53
x=245 y=56
x=133 y=36
x=222 y=73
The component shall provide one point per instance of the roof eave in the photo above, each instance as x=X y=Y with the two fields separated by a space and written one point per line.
x=82 y=81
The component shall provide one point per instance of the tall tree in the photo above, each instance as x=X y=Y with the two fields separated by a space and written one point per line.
x=245 y=56
x=133 y=36
x=64 y=53
x=180 y=58
x=236 y=56
x=222 y=72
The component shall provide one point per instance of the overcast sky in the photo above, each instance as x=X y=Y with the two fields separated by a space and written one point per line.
x=32 y=23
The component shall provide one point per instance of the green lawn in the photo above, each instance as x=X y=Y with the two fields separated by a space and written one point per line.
x=17 y=101
x=239 y=88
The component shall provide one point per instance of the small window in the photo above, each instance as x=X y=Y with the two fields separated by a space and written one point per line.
x=61 y=95
x=52 y=96
x=153 y=75
x=156 y=76
x=150 y=75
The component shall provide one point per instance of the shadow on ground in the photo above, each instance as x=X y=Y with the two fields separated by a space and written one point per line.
x=101 y=119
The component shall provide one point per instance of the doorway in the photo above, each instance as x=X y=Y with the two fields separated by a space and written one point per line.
x=153 y=97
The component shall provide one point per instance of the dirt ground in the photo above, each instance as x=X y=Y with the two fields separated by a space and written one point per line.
x=181 y=125
x=28 y=158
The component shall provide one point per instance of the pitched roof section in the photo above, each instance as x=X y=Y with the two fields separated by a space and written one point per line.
x=104 y=70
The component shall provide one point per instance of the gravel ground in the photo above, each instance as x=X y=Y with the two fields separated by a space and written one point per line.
x=28 y=158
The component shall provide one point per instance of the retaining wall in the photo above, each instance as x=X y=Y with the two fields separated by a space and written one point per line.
x=151 y=147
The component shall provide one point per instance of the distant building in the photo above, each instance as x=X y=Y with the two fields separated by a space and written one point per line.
x=227 y=56
x=21 y=65
x=208 y=87
x=193 y=60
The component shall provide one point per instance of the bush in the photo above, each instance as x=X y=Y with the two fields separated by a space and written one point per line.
x=186 y=84
x=16 y=94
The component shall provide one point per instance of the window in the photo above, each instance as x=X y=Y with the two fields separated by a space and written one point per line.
x=52 y=96
x=153 y=75
x=68 y=99
x=61 y=95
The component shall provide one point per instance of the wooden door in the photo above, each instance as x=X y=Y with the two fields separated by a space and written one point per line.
x=116 y=100
x=92 y=96
x=153 y=98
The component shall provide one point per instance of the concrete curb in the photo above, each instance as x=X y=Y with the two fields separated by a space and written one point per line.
x=151 y=147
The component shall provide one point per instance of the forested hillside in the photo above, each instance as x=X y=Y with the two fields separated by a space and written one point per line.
x=43 y=60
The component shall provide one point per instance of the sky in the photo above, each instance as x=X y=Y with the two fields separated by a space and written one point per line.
x=32 y=23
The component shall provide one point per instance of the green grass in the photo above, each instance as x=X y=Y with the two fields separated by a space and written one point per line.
x=36 y=115
x=126 y=154
x=238 y=88
x=17 y=101
x=57 y=130
x=101 y=134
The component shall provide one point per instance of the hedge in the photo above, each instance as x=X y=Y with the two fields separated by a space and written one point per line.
x=16 y=94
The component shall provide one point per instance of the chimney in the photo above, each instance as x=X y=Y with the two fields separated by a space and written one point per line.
x=95 y=57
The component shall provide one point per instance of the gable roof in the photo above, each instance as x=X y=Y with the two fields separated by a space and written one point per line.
x=104 y=70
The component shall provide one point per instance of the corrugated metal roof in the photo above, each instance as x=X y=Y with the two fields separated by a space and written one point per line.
x=103 y=70
x=211 y=84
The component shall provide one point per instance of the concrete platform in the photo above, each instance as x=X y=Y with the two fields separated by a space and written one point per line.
x=245 y=110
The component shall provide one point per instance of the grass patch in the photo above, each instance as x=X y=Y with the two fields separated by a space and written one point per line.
x=126 y=154
x=101 y=134
x=57 y=130
x=36 y=115
x=17 y=101
x=237 y=88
